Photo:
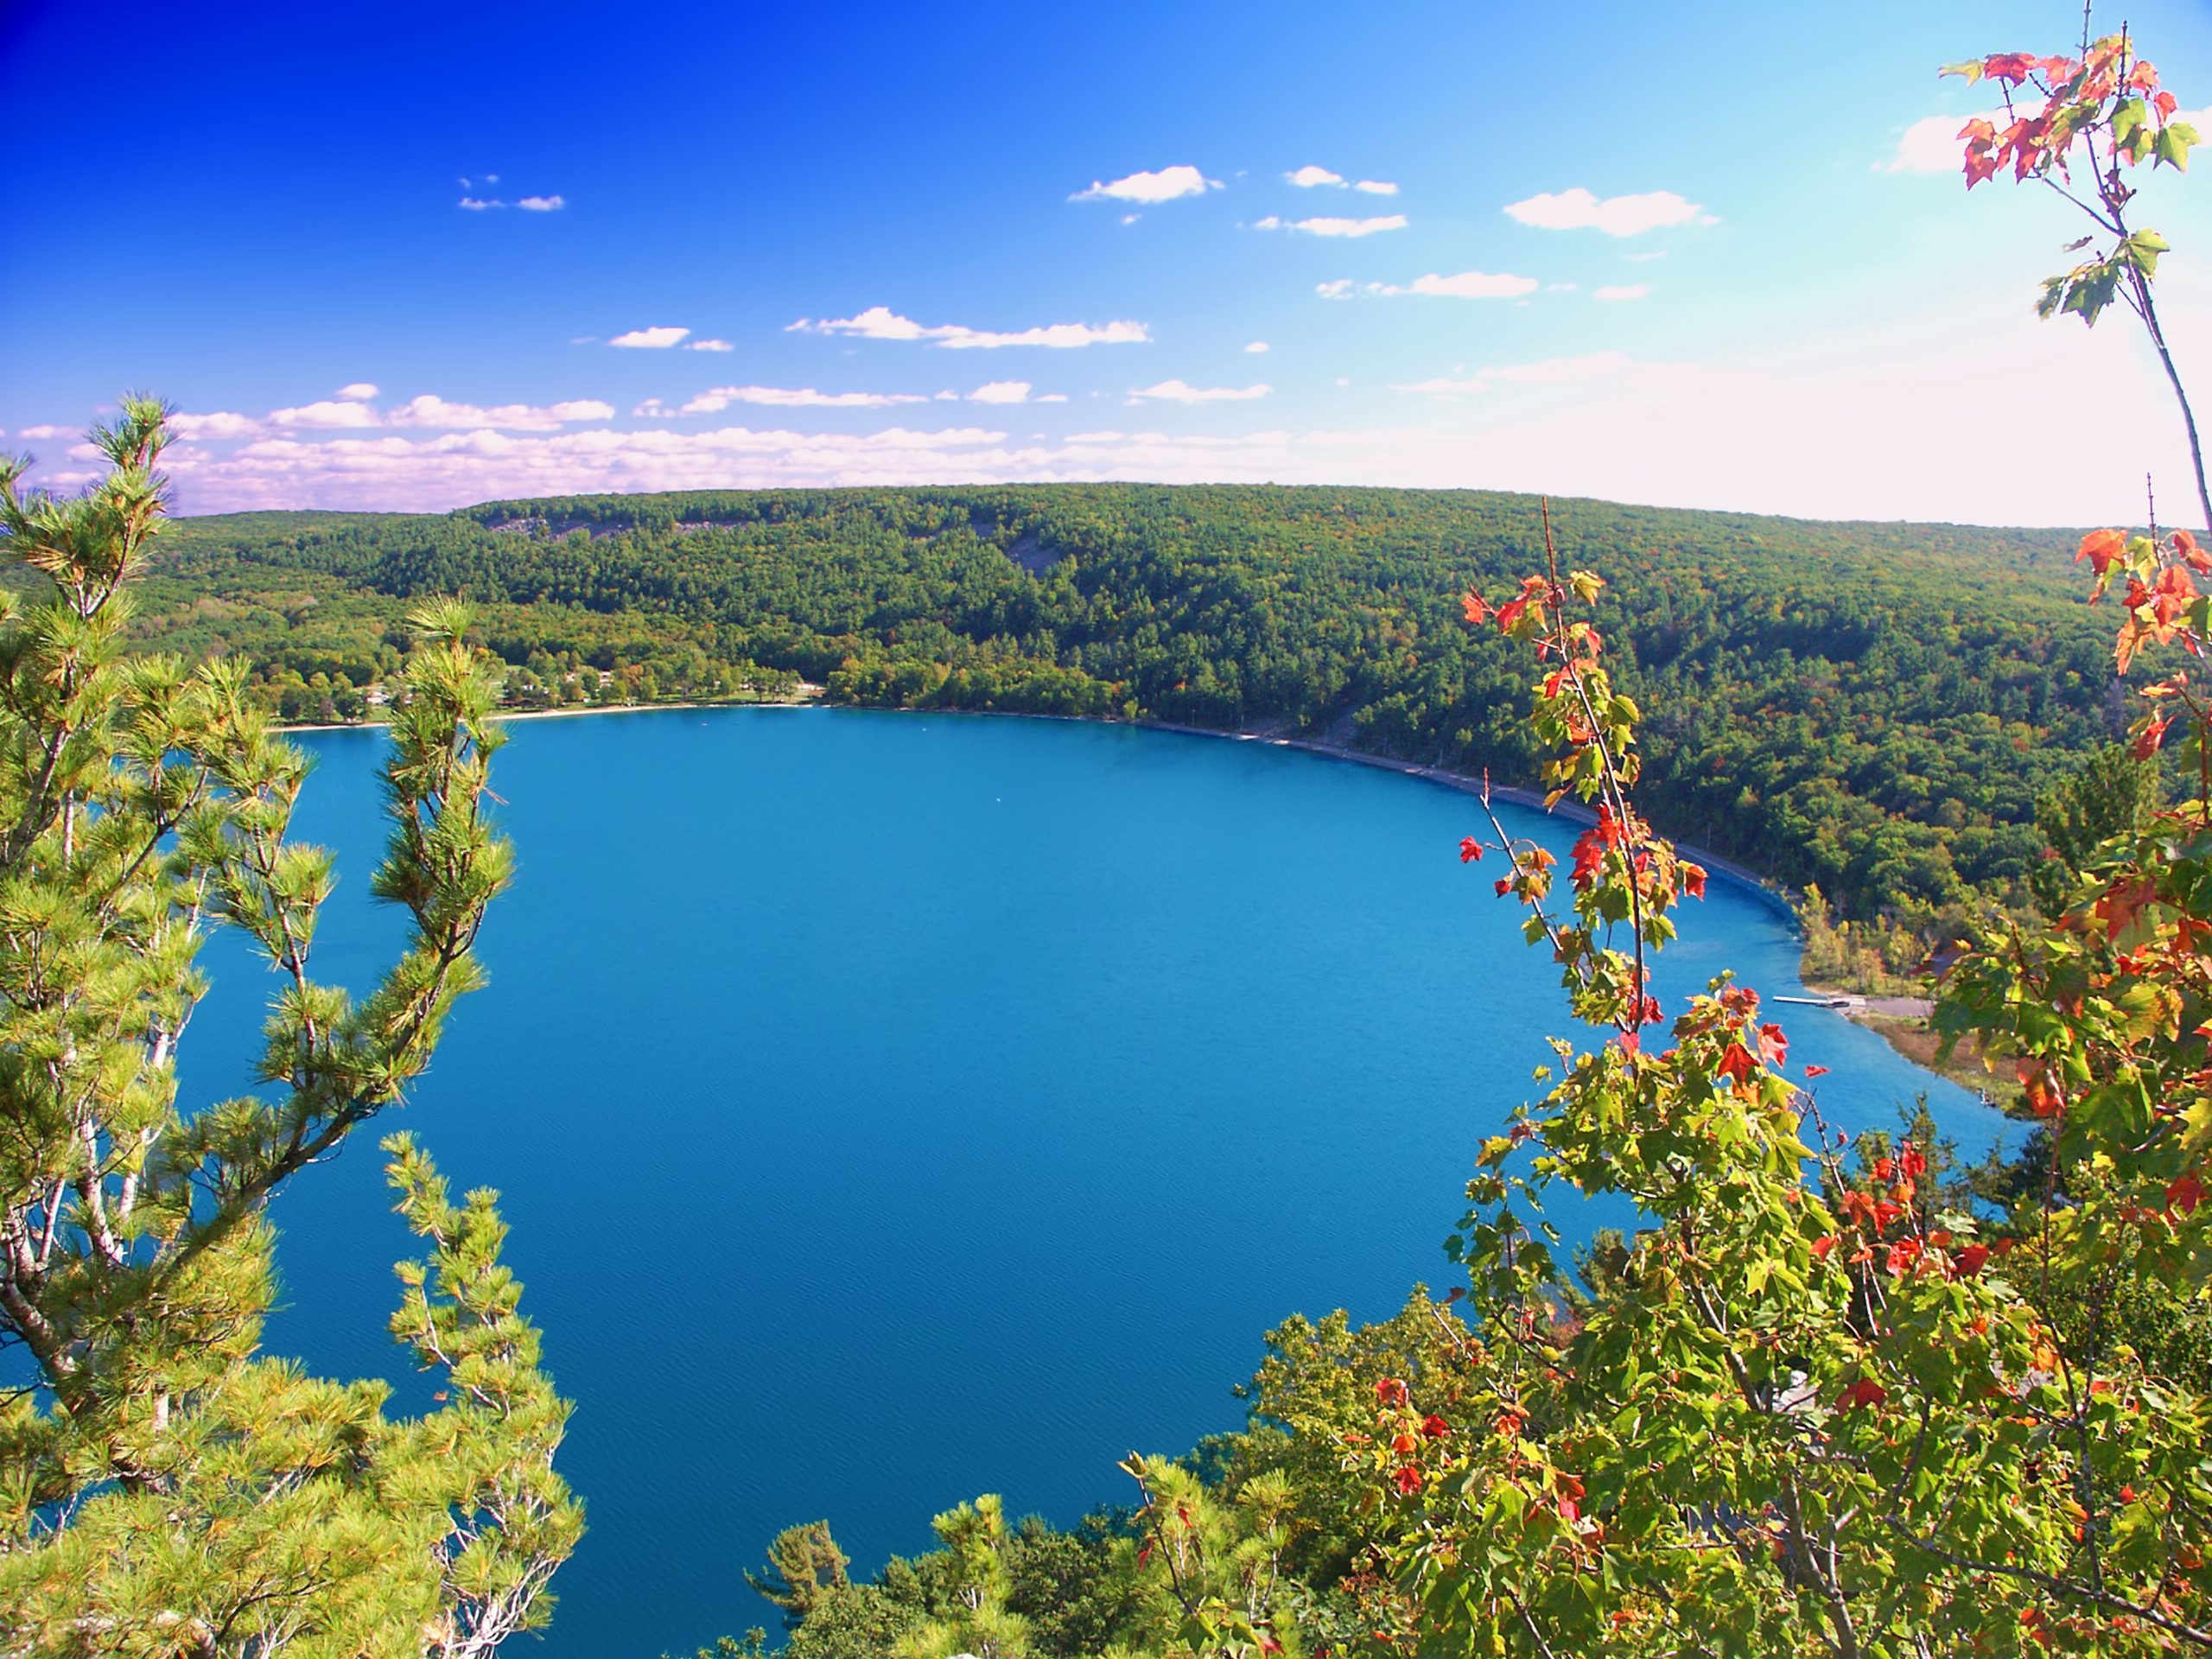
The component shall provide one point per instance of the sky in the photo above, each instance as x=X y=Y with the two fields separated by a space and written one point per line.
x=407 y=257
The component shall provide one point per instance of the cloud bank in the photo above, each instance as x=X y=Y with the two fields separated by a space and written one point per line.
x=880 y=322
x=1579 y=210
x=1166 y=185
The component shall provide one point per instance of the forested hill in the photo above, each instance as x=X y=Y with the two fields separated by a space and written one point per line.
x=1871 y=707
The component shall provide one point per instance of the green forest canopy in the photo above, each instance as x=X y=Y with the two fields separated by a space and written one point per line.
x=1869 y=707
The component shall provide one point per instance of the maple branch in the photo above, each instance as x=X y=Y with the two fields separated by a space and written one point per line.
x=2056 y=1586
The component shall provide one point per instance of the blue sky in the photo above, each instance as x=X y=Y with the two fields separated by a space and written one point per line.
x=1684 y=254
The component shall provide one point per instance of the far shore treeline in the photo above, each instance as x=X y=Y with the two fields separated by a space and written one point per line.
x=1868 y=709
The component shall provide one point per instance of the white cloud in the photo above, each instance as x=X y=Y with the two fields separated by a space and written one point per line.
x=1578 y=210
x=1177 y=391
x=52 y=431
x=477 y=205
x=430 y=473
x=1052 y=397
x=327 y=414
x=1849 y=417
x=1307 y=177
x=219 y=424
x=1622 y=291
x=1257 y=345
x=1377 y=187
x=708 y=346
x=652 y=409
x=1932 y=144
x=720 y=397
x=1327 y=226
x=434 y=411
x=1468 y=285
x=880 y=322
x=659 y=339
x=542 y=204
x=360 y=393
x=1000 y=391
x=1166 y=185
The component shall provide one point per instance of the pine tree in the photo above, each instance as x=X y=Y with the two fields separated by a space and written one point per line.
x=164 y=1490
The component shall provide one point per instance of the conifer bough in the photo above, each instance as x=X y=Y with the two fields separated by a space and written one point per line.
x=164 y=1490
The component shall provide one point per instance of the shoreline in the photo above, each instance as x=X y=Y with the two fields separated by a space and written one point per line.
x=504 y=715
x=1891 y=1025
x=1463 y=783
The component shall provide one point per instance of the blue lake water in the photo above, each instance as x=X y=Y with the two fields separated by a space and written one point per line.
x=890 y=1108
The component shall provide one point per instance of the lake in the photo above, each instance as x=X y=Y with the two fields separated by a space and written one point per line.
x=893 y=1108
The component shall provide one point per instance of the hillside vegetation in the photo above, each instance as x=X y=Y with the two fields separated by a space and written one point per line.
x=1870 y=708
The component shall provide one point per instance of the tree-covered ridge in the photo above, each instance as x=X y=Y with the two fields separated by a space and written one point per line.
x=1871 y=707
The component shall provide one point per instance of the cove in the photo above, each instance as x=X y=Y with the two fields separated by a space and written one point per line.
x=889 y=1109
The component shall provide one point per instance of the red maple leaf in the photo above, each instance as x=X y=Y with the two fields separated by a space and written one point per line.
x=2185 y=1194
x=2102 y=548
x=2170 y=597
x=2117 y=910
x=1478 y=611
x=1589 y=859
x=2152 y=736
x=1434 y=1426
x=2014 y=66
x=1816 y=1070
x=1693 y=880
x=1471 y=850
x=1738 y=1064
x=1864 y=1392
x=1408 y=1480
x=1968 y=1262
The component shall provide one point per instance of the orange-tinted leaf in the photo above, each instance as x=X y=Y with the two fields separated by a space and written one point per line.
x=2102 y=548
